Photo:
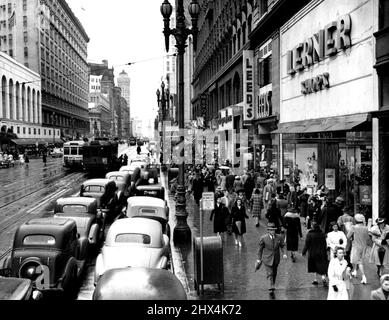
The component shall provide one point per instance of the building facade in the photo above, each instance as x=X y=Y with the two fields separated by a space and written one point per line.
x=99 y=115
x=102 y=80
x=124 y=82
x=381 y=117
x=21 y=106
x=47 y=37
x=328 y=89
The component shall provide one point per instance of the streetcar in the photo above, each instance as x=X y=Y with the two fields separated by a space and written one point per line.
x=73 y=154
x=100 y=156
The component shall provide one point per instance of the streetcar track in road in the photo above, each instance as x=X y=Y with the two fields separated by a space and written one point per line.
x=33 y=171
x=32 y=192
x=12 y=220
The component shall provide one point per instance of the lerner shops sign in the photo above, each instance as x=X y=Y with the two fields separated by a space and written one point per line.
x=325 y=43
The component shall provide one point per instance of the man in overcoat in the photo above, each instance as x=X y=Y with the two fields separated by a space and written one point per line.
x=270 y=247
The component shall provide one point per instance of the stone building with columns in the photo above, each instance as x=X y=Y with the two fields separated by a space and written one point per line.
x=21 y=106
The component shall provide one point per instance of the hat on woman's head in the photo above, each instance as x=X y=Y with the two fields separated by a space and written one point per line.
x=359 y=218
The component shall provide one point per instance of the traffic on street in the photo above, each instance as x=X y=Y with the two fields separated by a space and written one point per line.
x=229 y=150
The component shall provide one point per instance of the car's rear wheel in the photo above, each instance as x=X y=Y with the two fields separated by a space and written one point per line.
x=71 y=290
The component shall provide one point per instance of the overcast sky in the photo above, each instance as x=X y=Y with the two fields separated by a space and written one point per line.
x=123 y=31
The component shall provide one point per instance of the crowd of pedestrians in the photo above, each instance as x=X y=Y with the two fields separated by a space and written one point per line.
x=336 y=241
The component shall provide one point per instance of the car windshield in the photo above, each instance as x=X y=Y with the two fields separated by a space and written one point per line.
x=94 y=189
x=39 y=239
x=133 y=238
x=118 y=178
x=74 y=208
x=148 y=211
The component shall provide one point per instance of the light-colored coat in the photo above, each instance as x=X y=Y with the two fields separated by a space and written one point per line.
x=377 y=294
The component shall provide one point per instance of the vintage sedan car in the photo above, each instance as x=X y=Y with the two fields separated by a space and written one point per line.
x=133 y=243
x=128 y=169
x=46 y=251
x=121 y=176
x=135 y=283
x=89 y=222
x=151 y=190
x=151 y=208
x=57 y=153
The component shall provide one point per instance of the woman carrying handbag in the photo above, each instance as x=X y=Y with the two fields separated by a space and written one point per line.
x=239 y=215
x=379 y=252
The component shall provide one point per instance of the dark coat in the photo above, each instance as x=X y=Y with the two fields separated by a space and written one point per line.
x=239 y=215
x=198 y=187
x=330 y=213
x=269 y=250
x=273 y=214
x=220 y=213
x=316 y=245
x=249 y=187
x=292 y=225
x=230 y=179
x=303 y=201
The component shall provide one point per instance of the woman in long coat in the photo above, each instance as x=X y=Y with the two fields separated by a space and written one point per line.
x=239 y=215
x=256 y=205
x=338 y=276
x=220 y=213
x=292 y=225
x=380 y=235
x=316 y=245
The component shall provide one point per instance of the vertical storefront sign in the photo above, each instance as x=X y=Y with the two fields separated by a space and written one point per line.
x=365 y=193
x=329 y=178
x=248 y=86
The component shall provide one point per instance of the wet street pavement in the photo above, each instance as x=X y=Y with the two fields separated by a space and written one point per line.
x=30 y=191
x=240 y=281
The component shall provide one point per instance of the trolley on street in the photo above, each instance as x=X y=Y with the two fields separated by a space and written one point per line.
x=73 y=154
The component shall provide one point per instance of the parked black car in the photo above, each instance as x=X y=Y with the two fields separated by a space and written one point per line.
x=45 y=251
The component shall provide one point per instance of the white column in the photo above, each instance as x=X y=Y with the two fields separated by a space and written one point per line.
x=19 y=100
x=7 y=100
x=375 y=168
x=14 y=101
x=36 y=107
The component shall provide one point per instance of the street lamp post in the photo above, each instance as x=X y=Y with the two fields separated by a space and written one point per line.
x=182 y=231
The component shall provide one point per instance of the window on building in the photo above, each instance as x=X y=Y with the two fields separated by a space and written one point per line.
x=263 y=6
x=29 y=130
x=265 y=71
x=9 y=8
x=10 y=39
x=25 y=36
x=24 y=21
x=26 y=65
x=24 y=130
x=44 y=131
x=17 y=130
x=39 y=131
x=24 y=5
x=25 y=52
x=49 y=132
x=34 y=130
x=11 y=53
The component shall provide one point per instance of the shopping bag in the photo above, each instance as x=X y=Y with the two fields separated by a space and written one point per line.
x=257 y=265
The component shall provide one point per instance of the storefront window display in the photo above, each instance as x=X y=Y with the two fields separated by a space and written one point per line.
x=300 y=165
x=355 y=177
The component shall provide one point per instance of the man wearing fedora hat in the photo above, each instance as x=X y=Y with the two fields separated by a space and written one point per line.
x=270 y=246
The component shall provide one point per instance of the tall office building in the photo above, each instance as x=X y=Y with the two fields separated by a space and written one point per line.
x=48 y=38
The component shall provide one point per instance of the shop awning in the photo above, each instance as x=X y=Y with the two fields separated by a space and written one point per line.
x=343 y=123
x=33 y=141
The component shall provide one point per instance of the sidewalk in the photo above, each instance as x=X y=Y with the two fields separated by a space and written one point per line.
x=293 y=281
